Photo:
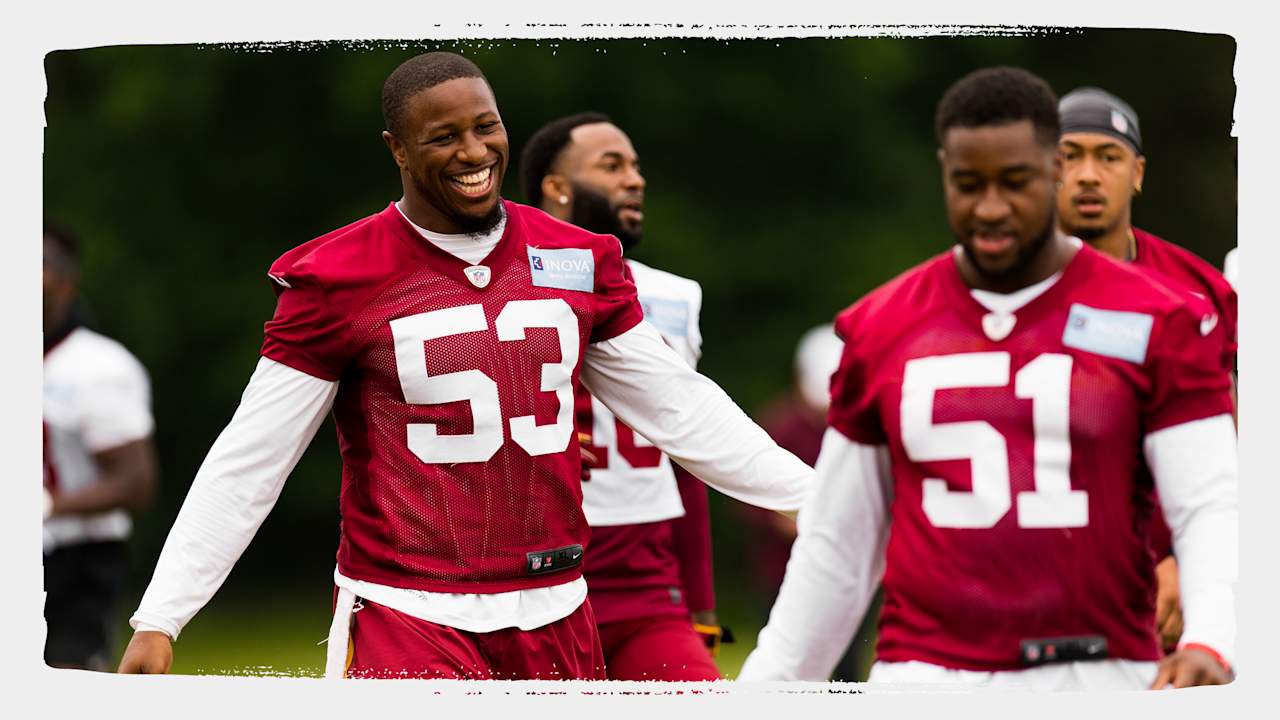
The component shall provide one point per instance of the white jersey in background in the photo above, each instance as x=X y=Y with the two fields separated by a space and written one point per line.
x=638 y=485
x=96 y=397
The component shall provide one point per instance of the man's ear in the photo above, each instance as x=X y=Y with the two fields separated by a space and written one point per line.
x=397 y=149
x=1139 y=172
x=557 y=194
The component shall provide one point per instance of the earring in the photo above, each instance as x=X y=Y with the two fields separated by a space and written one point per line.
x=564 y=199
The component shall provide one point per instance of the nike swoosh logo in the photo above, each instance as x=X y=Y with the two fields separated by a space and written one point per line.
x=1208 y=323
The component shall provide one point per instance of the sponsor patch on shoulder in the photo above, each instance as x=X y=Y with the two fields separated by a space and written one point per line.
x=671 y=317
x=564 y=268
x=1114 y=333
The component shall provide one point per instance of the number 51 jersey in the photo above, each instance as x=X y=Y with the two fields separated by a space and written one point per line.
x=454 y=410
x=1019 y=509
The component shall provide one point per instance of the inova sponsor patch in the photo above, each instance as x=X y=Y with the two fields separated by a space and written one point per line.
x=564 y=268
x=1113 y=333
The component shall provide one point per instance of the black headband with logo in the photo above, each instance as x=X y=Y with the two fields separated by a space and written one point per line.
x=1091 y=109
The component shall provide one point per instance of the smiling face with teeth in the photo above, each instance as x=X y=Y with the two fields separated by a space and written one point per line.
x=453 y=157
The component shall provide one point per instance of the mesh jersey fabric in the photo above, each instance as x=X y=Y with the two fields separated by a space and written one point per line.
x=1051 y=411
x=454 y=404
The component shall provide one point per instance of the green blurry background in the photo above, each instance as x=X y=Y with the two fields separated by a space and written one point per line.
x=788 y=176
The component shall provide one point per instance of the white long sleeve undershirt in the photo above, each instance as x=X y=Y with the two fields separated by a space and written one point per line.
x=234 y=489
x=838 y=555
x=836 y=563
x=1196 y=472
x=636 y=375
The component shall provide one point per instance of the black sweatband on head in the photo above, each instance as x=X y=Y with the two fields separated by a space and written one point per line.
x=1091 y=109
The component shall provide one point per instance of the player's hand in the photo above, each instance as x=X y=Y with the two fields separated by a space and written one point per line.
x=1168 y=604
x=589 y=459
x=149 y=653
x=1190 y=667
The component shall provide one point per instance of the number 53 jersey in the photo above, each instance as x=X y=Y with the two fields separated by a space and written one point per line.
x=454 y=410
x=1019 y=508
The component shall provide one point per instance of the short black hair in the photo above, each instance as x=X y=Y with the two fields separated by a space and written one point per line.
x=996 y=96
x=419 y=73
x=67 y=245
x=545 y=146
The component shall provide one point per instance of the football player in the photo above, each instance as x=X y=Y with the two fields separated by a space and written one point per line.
x=649 y=568
x=447 y=334
x=1103 y=168
x=99 y=466
x=993 y=406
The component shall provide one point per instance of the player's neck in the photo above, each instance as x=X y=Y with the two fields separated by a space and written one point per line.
x=426 y=216
x=1117 y=242
x=556 y=210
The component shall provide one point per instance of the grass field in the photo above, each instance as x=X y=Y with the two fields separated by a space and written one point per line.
x=274 y=636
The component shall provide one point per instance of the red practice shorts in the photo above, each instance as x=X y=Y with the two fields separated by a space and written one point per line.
x=656 y=648
x=386 y=643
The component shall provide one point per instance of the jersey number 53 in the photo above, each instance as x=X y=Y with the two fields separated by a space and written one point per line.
x=480 y=390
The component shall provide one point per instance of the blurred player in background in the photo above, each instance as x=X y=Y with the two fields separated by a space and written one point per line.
x=648 y=568
x=448 y=334
x=993 y=406
x=797 y=420
x=1103 y=168
x=99 y=464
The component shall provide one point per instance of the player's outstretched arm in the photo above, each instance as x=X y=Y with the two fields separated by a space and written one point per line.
x=233 y=491
x=836 y=562
x=149 y=652
x=687 y=416
x=1195 y=469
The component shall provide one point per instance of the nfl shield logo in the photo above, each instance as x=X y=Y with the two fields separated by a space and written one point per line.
x=535 y=562
x=478 y=275
x=1118 y=122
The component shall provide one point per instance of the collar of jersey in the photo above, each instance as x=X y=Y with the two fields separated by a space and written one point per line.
x=1076 y=268
x=448 y=263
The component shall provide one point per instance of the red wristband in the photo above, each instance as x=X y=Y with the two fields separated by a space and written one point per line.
x=1208 y=651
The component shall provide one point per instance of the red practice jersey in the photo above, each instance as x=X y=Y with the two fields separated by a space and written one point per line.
x=455 y=399
x=1180 y=267
x=1019 y=507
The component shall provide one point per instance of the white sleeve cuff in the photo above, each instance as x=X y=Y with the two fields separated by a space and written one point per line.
x=161 y=626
